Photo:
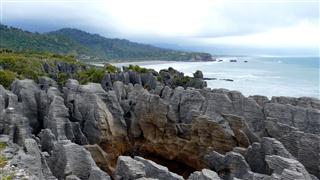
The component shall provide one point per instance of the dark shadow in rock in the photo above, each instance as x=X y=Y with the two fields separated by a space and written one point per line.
x=173 y=165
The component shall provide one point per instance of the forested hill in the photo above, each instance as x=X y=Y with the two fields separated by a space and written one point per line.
x=90 y=47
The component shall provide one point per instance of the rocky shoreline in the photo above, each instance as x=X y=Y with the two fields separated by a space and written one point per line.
x=135 y=126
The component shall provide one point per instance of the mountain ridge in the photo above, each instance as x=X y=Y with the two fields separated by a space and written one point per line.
x=90 y=47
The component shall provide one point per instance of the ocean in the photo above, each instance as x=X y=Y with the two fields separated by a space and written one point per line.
x=268 y=76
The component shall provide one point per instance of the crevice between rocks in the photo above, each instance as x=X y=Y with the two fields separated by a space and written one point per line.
x=173 y=165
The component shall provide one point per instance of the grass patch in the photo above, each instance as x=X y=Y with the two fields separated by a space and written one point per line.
x=7 y=177
x=3 y=161
x=6 y=77
x=111 y=69
x=181 y=81
x=28 y=65
x=92 y=75
x=159 y=78
x=3 y=145
x=138 y=68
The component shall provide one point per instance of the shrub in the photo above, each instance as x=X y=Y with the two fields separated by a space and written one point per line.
x=30 y=64
x=3 y=161
x=7 y=177
x=6 y=78
x=91 y=75
x=138 y=68
x=181 y=81
x=62 y=78
x=111 y=69
x=159 y=78
x=3 y=145
x=28 y=73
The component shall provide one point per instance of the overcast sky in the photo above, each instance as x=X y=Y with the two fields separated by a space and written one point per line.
x=290 y=25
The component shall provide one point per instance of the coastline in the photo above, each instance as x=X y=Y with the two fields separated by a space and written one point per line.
x=126 y=63
x=155 y=114
x=264 y=76
x=268 y=76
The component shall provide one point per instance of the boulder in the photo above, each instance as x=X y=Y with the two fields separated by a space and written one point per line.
x=157 y=171
x=204 y=174
x=71 y=159
x=279 y=165
x=128 y=168
x=231 y=165
x=198 y=74
x=47 y=140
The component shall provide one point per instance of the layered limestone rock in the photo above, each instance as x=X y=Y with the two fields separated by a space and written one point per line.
x=89 y=131
x=303 y=146
x=71 y=159
x=205 y=174
x=24 y=114
x=128 y=168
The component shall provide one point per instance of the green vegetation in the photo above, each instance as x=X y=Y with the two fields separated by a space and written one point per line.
x=159 y=78
x=30 y=65
x=111 y=69
x=88 y=47
x=92 y=75
x=7 y=177
x=62 y=78
x=181 y=81
x=19 y=40
x=6 y=78
x=3 y=145
x=138 y=68
x=3 y=161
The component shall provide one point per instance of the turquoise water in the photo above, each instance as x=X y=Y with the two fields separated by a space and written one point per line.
x=269 y=76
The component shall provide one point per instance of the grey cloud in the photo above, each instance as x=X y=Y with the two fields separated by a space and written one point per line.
x=229 y=19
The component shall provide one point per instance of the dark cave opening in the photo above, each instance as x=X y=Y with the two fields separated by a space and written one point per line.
x=174 y=166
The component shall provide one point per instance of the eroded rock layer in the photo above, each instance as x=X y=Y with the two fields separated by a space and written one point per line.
x=90 y=131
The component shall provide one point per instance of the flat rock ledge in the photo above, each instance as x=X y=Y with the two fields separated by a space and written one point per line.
x=122 y=129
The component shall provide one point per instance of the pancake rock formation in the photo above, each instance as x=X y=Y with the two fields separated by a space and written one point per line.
x=132 y=126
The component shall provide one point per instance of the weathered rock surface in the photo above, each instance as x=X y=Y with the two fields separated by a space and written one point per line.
x=304 y=119
x=228 y=166
x=82 y=131
x=128 y=168
x=71 y=159
x=287 y=168
x=256 y=153
x=205 y=174
x=305 y=147
x=27 y=92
